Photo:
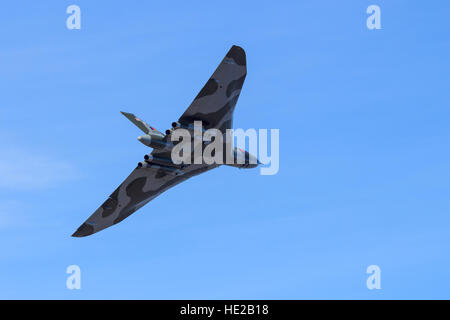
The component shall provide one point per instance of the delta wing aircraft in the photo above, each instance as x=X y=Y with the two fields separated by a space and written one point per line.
x=214 y=106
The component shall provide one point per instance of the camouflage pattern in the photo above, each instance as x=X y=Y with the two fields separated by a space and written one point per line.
x=141 y=186
x=214 y=106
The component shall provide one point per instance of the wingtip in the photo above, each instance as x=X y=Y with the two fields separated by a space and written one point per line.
x=235 y=46
x=83 y=231
x=76 y=235
x=238 y=55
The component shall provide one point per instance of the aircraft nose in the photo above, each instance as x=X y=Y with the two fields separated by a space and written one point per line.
x=253 y=163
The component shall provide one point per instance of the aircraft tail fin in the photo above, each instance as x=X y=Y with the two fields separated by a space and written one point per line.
x=140 y=123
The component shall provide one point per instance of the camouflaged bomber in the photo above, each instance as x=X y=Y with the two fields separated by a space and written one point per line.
x=214 y=106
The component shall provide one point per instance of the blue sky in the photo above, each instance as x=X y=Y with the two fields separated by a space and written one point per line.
x=364 y=158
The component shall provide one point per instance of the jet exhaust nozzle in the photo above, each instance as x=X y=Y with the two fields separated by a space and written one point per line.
x=165 y=168
x=159 y=160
